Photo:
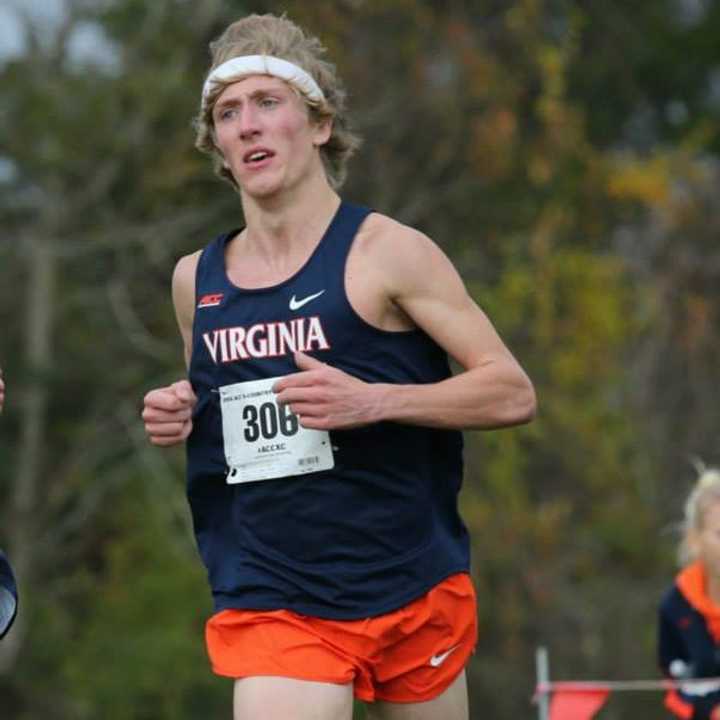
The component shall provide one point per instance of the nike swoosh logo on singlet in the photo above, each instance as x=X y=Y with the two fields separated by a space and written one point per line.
x=438 y=660
x=297 y=304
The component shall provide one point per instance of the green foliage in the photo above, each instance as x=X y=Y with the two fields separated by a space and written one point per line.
x=141 y=639
x=122 y=626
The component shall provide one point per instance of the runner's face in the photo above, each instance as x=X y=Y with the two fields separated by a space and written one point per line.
x=707 y=540
x=263 y=130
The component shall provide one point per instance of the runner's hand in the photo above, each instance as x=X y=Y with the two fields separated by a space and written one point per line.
x=167 y=413
x=326 y=398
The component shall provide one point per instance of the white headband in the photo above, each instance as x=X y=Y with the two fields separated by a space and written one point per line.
x=262 y=65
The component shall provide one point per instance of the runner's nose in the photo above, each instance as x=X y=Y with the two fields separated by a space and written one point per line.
x=249 y=125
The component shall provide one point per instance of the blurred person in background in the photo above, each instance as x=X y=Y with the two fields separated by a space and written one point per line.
x=689 y=622
x=321 y=417
x=8 y=595
x=8 y=588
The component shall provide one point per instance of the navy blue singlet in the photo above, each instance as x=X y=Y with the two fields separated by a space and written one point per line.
x=364 y=538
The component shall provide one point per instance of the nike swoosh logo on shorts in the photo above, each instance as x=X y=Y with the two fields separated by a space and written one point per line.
x=297 y=304
x=438 y=660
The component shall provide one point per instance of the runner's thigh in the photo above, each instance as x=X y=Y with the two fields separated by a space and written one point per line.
x=279 y=698
x=449 y=705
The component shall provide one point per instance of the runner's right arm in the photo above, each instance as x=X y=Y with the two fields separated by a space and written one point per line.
x=167 y=411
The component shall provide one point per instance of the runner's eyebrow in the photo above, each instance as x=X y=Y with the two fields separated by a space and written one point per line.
x=254 y=95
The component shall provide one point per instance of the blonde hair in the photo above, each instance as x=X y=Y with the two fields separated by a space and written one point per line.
x=704 y=494
x=282 y=38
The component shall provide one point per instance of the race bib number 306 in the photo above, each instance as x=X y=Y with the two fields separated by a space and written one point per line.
x=264 y=440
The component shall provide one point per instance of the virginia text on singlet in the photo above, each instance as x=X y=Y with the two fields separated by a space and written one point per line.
x=351 y=524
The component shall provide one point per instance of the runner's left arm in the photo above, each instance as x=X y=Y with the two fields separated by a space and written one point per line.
x=492 y=391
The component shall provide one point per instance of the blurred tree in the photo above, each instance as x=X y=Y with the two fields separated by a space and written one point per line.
x=102 y=188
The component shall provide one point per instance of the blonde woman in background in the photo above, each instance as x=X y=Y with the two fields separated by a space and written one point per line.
x=689 y=623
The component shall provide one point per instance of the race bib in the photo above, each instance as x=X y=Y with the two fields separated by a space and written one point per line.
x=264 y=440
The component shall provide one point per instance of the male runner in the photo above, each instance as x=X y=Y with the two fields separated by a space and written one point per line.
x=8 y=589
x=321 y=418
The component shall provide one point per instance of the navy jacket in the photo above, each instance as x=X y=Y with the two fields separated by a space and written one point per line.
x=687 y=648
x=8 y=595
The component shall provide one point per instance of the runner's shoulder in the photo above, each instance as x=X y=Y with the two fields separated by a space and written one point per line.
x=183 y=284
x=406 y=255
x=386 y=238
x=185 y=268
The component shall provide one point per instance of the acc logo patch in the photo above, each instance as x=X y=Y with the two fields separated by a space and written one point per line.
x=212 y=300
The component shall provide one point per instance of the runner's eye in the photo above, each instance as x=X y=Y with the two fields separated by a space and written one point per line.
x=228 y=113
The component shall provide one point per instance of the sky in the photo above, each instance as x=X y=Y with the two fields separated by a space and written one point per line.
x=86 y=43
x=43 y=12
